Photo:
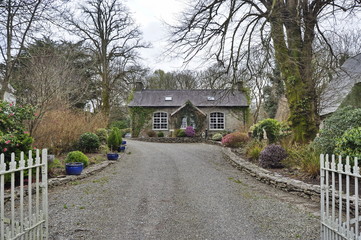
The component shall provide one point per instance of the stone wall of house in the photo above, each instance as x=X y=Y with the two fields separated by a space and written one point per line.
x=234 y=120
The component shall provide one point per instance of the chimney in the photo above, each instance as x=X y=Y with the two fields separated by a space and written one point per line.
x=139 y=86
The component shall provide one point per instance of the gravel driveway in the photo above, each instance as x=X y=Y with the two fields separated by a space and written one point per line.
x=177 y=191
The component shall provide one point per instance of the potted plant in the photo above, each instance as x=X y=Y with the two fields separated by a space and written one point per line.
x=75 y=162
x=114 y=141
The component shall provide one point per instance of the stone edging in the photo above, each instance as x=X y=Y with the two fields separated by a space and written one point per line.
x=52 y=182
x=284 y=183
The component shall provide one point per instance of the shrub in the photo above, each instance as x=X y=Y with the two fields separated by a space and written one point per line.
x=217 y=137
x=59 y=130
x=235 y=139
x=77 y=156
x=180 y=133
x=335 y=126
x=89 y=142
x=114 y=139
x=271 y=156
x=350 y=143
x=102 y=134
x=305 y=158
x=253 y=149
x=151 y=133
x=272 y=128
x=13 y=137
x=160 y=134
x=190 y=132
x=121 y=124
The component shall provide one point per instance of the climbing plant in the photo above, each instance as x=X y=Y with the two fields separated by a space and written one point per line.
x=139 y=116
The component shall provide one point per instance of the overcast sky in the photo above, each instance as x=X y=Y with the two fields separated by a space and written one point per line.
x=149 y=15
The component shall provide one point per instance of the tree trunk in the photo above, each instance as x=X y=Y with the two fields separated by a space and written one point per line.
x=289 y=57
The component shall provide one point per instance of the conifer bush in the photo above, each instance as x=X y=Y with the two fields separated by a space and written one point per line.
x=89 y=142
x=114 y=139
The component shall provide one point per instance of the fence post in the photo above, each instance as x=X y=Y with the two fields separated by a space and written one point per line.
x=322 y=179
x=44 y=178
x=2 y=196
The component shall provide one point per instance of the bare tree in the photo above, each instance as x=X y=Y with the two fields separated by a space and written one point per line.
x=111 y=35
x=17 y=22
x=226 y=30
x=47 y=75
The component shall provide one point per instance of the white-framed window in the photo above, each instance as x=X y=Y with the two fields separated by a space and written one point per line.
x=160 y=121
x=188 y=121
x=216 y=121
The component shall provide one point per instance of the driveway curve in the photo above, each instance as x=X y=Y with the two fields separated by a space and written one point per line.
x=177 y=191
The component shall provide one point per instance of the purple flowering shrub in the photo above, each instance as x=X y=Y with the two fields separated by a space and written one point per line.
x=190 y=132
x=235 y=139
x=271 y=156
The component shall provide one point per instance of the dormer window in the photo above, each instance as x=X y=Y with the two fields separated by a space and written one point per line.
x=210 y=98
x=168 y=98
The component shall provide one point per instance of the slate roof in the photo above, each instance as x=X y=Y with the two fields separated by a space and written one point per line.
x=340 y=87
x=199 y=98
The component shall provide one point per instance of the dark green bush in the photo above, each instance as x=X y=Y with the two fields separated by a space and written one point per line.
x=102 y=134
x=350 y=143
x=271 y=156
x=89 y=142
x=272 y=128
x=180 y=133
x=114 y=139
x=160 y=134
x=77 y=156
x=334 y=127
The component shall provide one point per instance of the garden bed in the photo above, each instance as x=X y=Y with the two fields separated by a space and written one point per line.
x=286 y=172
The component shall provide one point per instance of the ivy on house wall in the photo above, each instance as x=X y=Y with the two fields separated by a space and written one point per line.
x=242 y=114
x=139 y=117
x=190 y=112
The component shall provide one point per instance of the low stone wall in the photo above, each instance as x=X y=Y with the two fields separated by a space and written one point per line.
x=287 y=184
x=176 y=140
x=52 y=182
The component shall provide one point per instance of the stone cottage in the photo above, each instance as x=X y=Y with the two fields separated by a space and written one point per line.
x=208 y=111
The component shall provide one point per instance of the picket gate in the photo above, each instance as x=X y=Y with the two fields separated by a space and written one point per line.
x=340 y=201
x=24 y=209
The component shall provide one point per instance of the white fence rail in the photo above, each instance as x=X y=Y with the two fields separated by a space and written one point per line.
x=340 y=198
x=24 y=208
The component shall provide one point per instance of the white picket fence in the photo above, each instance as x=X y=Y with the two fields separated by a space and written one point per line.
x=339 y=199
x=24 y=209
